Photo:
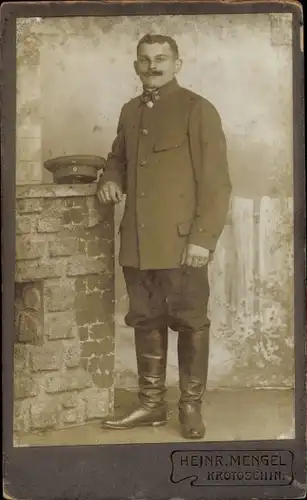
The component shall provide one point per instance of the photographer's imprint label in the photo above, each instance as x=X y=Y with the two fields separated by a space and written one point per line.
x=205 y=468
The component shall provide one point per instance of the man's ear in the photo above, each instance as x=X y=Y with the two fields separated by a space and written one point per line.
x=178 y=65
x=135 y=64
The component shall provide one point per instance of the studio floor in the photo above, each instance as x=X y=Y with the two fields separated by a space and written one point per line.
x=229 y=416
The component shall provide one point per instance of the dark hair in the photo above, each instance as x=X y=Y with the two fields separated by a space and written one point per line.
x=159 y=39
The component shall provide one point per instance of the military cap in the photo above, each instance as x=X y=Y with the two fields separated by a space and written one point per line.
x=75 y=169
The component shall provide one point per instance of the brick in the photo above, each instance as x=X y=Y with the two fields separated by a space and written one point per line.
x=81 y=283
x=24 y=386
x=97 y=403
x=83 y=333
x=30 y=327
x=74 y=216
x=93 y=205
x=101 y=231
x=28 y=172
x=44 y=414
x=82 y=265
x=85 y=298
x=102 y=379
x=75 y=379
x=106 y=375
x=49 y=225
x=69 y=416
x=104 y=332
x=18 y=302
x=72 y=355
x=34 y=270
x=64 y=246
x=23 y=224
x=30 y=205
x=81 y=408
x=21 y=416
x=29 y=248
x=97 y=331
x=60 y=325
x=69 y=400
x=92 y=347
x=21 y=357
x=82 y=245
x=32 y=296
x=18 y=308
x=77 y=202
x=93 y=364
x=59 y=296
x=99 y=282
x=108 y=345
x=92 y=218
x=93 y=307
x=102 y=228
x=46 y=357
x=54 y=207
x=84 y=363
x=99 y=247
x=96 y=246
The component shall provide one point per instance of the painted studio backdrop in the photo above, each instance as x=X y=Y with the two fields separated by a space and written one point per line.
x=73 y=76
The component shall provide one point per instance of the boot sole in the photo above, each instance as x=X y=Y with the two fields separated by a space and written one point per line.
x=186 y=435
x=126 y=427
x=193 y=438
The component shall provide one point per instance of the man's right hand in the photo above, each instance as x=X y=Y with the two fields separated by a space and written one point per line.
x=109 y=192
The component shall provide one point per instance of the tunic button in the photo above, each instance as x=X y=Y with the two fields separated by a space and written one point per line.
x=143 y=163
x=142 y=226
x=142 y=195
x=144 y=131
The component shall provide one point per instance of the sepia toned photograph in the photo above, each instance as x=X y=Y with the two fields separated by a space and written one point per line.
x=154 y=261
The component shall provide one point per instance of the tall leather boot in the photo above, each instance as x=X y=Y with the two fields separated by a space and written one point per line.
x=151 y=355
x=193 y=353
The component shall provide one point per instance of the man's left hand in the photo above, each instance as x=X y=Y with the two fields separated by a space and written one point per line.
x=195 y=256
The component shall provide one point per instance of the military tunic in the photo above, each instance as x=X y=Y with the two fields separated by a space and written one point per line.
x=171 y=162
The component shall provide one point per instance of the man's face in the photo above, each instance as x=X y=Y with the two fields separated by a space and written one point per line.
x=156 y=64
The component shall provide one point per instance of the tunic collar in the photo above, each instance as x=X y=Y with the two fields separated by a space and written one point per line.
x=160 y=93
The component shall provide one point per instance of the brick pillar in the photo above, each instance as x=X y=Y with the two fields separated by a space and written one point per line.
x=64 y=350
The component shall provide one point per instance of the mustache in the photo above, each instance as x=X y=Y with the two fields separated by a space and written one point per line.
x=154 y=73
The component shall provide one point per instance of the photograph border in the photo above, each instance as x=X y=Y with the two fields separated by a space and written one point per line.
x=119 y=471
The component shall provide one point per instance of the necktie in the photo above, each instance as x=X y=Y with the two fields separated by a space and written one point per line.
x=150 y=96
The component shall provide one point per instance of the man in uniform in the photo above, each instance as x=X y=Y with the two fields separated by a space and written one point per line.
x=169 y=158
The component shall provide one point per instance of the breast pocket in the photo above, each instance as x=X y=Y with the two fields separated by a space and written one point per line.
x=168 y=141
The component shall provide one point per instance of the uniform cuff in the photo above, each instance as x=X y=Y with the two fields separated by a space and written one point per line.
x=111 y=177
x=203 y=239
